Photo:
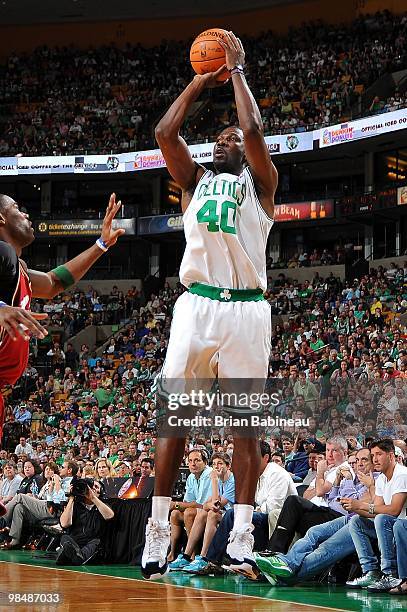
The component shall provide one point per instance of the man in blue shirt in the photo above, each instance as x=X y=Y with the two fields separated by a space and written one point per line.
x=50 y=437
x=207 y=519
x=198 y=490
x=92 y=360
x=21 y=414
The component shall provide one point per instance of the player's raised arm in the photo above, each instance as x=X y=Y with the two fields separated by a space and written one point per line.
x=257 y=155
x=179 y=161
x=47 y=285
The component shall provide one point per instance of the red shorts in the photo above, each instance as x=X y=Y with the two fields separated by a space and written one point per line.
x=2 y=415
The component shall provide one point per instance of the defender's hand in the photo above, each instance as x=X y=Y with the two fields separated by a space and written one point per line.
x=234 y=50
x=109 y=235
x=17 y=322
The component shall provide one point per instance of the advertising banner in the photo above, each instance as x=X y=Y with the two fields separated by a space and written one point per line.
x=304 y=211
x=160 y=224
x=79 y=227
x=135 y=161
x=297 y=211
x=363 y=128
x=8 y=166
x=279 y=144
x=71 y=164
x=291 y=143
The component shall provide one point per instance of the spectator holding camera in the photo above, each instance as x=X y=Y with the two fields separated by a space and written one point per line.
x=84 y=518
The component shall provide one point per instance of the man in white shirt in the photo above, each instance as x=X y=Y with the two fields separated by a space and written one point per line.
x=389 y=401
x=102 y=449
x=56 y=351
x=130 y=370
x=313 y=458
x=273 y=487
x=375 y=521
x=24 y=448
x=300 y=513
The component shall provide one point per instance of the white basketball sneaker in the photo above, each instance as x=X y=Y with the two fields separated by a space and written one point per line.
x=154 y=560
x=240 y=552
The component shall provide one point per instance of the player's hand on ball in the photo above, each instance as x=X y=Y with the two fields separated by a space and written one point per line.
x=18 y=322
x=234 y=50
x=211 y=79
x=109 y=235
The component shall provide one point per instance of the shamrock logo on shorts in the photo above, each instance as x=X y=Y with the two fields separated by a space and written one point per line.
x=225 y=295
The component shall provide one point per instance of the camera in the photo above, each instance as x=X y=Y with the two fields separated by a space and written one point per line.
x=80 y=487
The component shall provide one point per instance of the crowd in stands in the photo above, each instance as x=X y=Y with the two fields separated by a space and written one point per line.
x=309 y=297
x=338 y=364
x=314 y=85
x=349 y=330
x=71 y=312
x=392 y=103
x=64 y=100
x=318 y=257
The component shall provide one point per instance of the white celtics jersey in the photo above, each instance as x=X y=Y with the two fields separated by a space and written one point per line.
x=226 y=231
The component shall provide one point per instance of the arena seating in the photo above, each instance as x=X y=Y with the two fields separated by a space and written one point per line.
x=110 y=397
x=65 y=100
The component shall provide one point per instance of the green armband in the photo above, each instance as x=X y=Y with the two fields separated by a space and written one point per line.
x=64 y=276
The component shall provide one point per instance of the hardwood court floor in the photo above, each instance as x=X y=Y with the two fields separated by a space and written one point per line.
x=120 y=588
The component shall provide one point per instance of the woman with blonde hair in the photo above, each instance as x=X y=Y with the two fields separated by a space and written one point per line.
x=104 y=469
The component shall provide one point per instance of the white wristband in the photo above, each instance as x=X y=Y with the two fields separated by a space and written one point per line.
x=2 y=304
x=102 y=245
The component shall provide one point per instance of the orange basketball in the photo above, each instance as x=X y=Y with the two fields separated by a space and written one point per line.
x=207 y=55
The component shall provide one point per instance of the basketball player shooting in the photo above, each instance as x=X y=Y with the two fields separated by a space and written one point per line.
x=222 y=324
x=18 y=285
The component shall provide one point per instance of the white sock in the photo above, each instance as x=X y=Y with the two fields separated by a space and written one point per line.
x=161 y=508
x=243 y=514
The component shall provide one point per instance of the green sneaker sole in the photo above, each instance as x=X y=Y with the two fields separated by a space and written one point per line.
x=267 y=567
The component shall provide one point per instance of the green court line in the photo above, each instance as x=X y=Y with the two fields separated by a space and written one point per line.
x=306 y=594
